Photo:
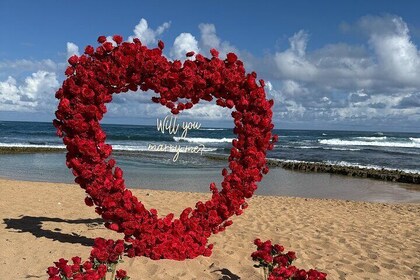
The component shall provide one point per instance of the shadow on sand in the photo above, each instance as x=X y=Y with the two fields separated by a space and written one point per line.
x=33 y=225
x=226 y=274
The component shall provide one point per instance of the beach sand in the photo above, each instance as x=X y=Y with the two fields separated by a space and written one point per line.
x=42 y=222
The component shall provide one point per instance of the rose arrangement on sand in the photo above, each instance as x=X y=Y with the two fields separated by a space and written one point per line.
x=104 y=257
x=277 y=265
x=119 y=67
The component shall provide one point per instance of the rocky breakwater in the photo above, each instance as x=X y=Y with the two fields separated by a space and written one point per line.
x=353 y=171
x=29 y=149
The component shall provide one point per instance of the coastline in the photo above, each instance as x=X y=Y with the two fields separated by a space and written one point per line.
x=382 y=174
x=41 y=222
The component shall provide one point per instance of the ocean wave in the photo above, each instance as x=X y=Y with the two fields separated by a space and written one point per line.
x=146 y=148
x=370 y=166
x=304 y=147
x=375 y=138
x=203 y=140
x=317 y=147
x=342 y=149
x=346 y=164
x=415 y=140
x=129 y=148
x=115 y=147
x=211 y=129
x=396 y=144
x=30 y=145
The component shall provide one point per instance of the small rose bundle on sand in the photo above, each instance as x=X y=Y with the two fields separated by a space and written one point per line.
x=104 y=257
x=277 y=265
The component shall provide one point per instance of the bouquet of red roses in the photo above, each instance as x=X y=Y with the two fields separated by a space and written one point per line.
x=277 y=265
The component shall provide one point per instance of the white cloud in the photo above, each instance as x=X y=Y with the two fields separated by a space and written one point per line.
x=72 y=49
x=397 y=56
x=207 y=111
x=184 y=43
x=349 y=84
x=337 y=84
x=292 y=63
x=147 y=35
x=39 y=85
x=268 y=85
x=9 y=93
x=210 y=40
x=34 y=94
x=393 y=59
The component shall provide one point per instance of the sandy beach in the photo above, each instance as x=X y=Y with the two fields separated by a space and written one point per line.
x=41 y=222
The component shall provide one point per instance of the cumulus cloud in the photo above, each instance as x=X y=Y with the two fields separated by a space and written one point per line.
x=389 y=58
x=9 y=92
x=208 y=111
x=210 y=40
x=36 y=92
x=292 y=63
x=397 y=56
x=184 y=42
x=146 y=34
x=72 y=49
x=342 y=83
x=374 y=83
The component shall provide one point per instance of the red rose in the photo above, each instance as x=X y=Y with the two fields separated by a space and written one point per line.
x=52 y=271
x=121 y=273
x=76 y=260
x=69 y=71
x=291 y=255
x=89 y=50
x=214 y=53
x=231 y=57
x=101 y=39
x=87 y=265
x=88 y=201
x=108 y=46
x=73 y=60
x=117 y=39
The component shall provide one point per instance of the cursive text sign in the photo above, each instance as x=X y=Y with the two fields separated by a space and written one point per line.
x=171 y=126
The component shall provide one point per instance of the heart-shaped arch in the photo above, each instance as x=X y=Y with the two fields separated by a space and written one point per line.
x=92 y=79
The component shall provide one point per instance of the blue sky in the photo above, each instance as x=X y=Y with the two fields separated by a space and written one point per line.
x=352 y=65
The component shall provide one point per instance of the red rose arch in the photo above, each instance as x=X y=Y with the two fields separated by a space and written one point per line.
x=91 y=81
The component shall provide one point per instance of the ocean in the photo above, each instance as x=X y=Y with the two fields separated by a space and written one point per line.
x=153 y=159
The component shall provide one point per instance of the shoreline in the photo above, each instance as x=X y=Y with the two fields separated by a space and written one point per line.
x=42 y=222
x=383 y=174
x=205 y=193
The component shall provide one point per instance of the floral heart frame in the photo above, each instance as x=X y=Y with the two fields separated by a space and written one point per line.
x=91 y=81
